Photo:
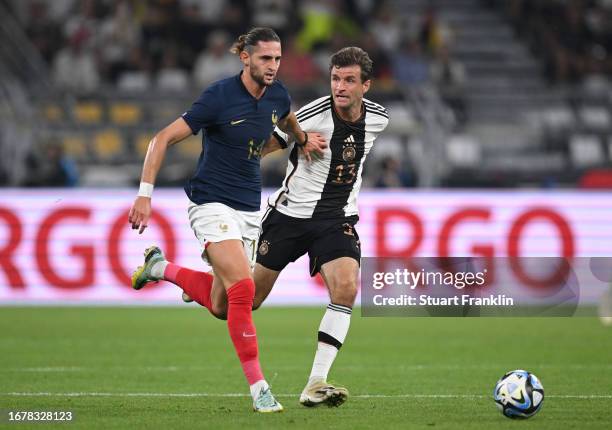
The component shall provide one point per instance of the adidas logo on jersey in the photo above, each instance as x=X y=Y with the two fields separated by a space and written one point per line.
x=350 y=139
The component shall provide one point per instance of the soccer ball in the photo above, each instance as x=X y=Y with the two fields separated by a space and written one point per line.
x=519 y=394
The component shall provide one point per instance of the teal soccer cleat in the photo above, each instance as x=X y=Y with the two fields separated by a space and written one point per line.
x=265 y=402
x=142 y=274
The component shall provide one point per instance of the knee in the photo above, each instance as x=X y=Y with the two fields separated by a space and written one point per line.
x=232 y=281
x=241 y=292
x=344 y=292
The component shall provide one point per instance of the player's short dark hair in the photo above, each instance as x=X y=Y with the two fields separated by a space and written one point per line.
x=258 y=34
x=353 y=56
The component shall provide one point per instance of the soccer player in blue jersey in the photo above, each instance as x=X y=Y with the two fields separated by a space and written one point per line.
x=315 y=211
x=237 y=116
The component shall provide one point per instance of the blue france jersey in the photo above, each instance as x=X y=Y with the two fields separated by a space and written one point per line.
x=235 y=126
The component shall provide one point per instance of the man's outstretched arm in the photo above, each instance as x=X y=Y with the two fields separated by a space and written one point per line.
x=141 y=208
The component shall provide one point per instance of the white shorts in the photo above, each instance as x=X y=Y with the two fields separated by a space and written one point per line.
x=216 y=222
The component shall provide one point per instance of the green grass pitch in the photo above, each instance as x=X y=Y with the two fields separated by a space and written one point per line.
x=156 y=368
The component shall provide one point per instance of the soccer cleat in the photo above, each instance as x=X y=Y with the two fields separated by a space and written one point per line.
x=265 y=402
x=142 y=274
x=321 y=393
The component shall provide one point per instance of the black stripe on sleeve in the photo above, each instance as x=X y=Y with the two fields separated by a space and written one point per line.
x=283 y=142
x=375 y=106
x=310 y=109
x=323 y=109
x=312 y=113
x=375 y=112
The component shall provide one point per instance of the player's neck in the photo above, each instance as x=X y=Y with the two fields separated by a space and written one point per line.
x=254 y=88
x=352 y=113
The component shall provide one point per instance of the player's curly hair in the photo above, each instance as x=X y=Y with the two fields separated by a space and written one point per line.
x=258 y=34
x=353 y=56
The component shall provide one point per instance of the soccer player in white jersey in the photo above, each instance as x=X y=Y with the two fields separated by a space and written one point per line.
x=315 y=210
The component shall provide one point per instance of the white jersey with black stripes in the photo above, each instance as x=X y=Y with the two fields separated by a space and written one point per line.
x=328 y=186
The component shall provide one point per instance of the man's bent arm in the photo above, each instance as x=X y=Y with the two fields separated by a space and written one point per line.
x=271 y=145
x=311 y=143
x=290 y=125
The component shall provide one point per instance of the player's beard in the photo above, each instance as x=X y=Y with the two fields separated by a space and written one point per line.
x=259 y=78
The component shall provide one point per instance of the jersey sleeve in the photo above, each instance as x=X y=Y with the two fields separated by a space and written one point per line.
x=284 y=99
x=377 y=116
x=281 y=136
x=287 y=105
x=308 y=117
x=203 y=111
x=307 y=125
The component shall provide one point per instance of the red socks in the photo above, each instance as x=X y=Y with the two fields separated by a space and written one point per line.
x=196 y=284
x=239 y=312
x=241 y=328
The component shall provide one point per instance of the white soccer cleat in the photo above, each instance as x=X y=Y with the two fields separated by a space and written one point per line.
x=321 y=393
x=266 y=403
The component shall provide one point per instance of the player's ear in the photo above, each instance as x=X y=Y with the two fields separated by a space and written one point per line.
x=244 y=57
x=366 y=85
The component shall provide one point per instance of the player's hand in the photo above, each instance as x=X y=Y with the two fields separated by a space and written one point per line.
x=140 y=213
x=315 y=147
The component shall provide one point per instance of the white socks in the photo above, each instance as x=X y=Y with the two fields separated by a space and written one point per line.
x=324 y=358
x=332 y=333
x=158 y=269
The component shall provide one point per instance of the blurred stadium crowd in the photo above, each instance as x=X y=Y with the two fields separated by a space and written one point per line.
x=482 y=93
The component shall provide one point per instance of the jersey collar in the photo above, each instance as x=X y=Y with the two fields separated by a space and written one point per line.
x=241 y=84
x=359 y=120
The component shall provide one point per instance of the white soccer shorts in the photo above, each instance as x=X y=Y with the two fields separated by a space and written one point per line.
x=216 y=222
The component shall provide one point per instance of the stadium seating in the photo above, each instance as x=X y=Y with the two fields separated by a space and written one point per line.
x=108 y=145
x=88 y=113
x=463 y=151
x=124 y=114
x=510 y=118
x=75 y=146
x=586 y=151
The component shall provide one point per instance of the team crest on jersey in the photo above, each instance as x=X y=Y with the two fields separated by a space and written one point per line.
x=223 y=227
x=349 y=152
x=274 y=117
x=264 y=247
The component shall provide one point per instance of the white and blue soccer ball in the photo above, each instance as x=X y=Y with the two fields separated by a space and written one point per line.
x=519 y=394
